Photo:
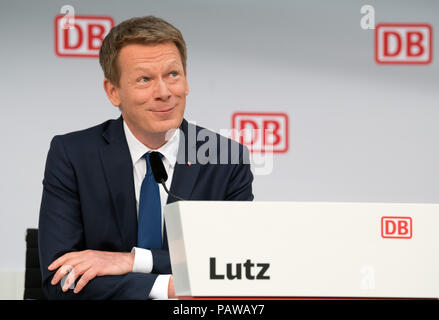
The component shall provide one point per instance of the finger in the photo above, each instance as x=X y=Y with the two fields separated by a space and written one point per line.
x=171 y=290
x=73 y=275
x=66 y=281
x=86 y=277
x=75 y=259
x=61 y=260
x=65 y=269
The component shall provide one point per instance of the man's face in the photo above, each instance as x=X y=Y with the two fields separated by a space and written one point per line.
x=152 y=88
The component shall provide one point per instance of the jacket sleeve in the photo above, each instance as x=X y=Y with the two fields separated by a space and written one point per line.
x=240 y=183
x=61 y=231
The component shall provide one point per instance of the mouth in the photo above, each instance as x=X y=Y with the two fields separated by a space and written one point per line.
x=164 y=110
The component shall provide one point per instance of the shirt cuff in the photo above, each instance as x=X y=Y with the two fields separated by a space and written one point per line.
x=160 y=288
x=142 y=260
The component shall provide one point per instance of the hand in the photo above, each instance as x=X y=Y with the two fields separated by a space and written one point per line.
x=88 y=264
x=171 y=291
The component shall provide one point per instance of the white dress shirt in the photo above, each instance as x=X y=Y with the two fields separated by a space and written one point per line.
x=143 y=261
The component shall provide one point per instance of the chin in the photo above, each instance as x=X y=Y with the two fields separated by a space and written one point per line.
x=165 y=125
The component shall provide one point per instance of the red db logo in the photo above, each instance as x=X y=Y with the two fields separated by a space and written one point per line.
x=403 y=43
x=261 y=132
x=81 y=38
x=396 y=227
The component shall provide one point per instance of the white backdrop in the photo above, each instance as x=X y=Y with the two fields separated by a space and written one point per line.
x=358 y=131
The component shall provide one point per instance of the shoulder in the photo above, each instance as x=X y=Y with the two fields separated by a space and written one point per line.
x=213 y=147
x=86 y=134
x=83 y=141
x=91 y=132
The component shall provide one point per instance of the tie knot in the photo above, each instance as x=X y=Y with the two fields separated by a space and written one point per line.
x=148 y=162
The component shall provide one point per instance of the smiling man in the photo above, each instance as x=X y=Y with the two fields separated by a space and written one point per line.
x=101 y=228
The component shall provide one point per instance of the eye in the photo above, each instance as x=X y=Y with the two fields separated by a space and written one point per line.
x=173 y=74
x=143 y=79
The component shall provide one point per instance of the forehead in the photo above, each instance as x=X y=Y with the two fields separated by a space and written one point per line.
x=133 y=55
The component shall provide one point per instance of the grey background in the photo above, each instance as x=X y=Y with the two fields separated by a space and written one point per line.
x=358 y=131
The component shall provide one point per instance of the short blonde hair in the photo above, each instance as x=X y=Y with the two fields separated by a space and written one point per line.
x=147 y=30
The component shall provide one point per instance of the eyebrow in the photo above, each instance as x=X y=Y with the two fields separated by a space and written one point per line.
x=173 y=64
x=169 y=66
x=141 y=69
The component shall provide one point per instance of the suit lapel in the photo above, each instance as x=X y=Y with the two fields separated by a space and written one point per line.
x=183 y=181
x=185 y=175
x=118 y=170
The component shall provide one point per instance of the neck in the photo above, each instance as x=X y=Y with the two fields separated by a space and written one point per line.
x=152 y=140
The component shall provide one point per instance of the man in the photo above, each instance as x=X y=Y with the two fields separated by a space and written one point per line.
x=101 y=231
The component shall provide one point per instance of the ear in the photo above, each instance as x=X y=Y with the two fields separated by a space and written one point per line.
x=112 y=92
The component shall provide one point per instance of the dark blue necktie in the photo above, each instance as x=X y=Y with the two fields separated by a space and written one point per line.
x=149 y=233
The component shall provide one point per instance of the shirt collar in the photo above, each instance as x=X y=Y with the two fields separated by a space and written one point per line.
x=138 y=149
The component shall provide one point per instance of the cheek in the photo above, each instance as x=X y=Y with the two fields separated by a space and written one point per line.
x=141 y=96
x=135 y=97
x=178 y=89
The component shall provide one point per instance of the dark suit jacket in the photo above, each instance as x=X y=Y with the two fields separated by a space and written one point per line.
x=89 y=202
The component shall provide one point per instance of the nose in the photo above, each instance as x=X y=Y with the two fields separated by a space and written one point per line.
x=161 y=91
